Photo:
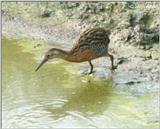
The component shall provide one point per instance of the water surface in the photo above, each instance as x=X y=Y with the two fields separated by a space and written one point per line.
x=54 y=97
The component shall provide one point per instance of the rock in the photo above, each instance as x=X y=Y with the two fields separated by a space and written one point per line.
x=94 y=8
x=75 y=4
x=109 y=7
x=139 y=17
x=126 y=34
x=84 y=9
x=102 y=18
x=147 y=47
x=155 y=23
x=149 y=39
x=137 y=28
x=2 y=11
x=69 y=14
x=70 y=5
x=123 y=25
x=133 y=82
x=141 y=47
x=127 y=5
x=122 y=60
x=155 y=55
x=100 y=8
x=46 y=13
x=83 y=17
x=152 y=30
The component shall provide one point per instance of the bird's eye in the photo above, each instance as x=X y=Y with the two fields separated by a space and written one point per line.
x=48 y=56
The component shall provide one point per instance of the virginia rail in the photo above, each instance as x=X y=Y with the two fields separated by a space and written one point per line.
x=91 y=44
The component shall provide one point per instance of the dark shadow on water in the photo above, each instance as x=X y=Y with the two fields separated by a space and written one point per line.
x=92 y=99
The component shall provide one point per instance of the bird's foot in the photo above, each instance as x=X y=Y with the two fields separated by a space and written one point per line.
x=114 y=67
x=91 y=73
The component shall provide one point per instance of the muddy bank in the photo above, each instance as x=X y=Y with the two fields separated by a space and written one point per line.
x=134 y=64
x=129 y=58
x=133 y=23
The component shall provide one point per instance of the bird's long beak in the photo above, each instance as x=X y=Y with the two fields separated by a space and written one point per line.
x=42 y=62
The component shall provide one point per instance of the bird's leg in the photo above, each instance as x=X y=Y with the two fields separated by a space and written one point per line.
x=91 y=69
x=112 y=62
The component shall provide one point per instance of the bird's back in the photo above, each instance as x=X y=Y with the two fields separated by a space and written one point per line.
x=93 y=36
x=90 y=44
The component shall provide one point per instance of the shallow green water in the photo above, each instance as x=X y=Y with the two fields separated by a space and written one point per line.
x=53 y=97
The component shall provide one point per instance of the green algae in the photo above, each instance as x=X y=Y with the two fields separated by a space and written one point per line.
x=53 y=97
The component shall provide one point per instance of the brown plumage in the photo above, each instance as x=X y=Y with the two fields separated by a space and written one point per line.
x=91 y=44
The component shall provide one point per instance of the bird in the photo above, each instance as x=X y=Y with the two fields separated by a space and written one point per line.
x=89 y=45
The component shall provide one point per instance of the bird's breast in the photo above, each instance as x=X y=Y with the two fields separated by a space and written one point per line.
x=82 y=56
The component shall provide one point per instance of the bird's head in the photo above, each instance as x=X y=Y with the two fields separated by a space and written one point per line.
x=50 y=54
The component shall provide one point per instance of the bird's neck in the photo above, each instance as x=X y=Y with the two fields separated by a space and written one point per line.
x=67 y=55
x=62 y=54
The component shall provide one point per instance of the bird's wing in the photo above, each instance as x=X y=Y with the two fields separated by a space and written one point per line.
x=90 y=37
